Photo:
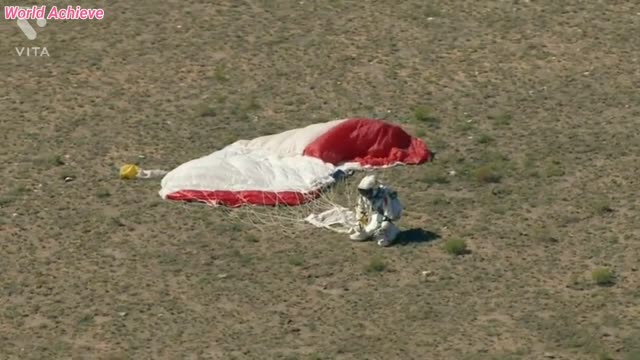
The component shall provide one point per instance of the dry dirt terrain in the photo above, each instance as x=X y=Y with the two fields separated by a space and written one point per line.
x=533 y=109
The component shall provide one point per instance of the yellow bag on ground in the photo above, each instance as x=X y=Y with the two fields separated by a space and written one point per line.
x=129 y=171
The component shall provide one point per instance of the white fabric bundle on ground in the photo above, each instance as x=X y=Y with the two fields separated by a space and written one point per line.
x=338 y=219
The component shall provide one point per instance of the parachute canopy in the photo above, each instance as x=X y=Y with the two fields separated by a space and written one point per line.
x=292 y=167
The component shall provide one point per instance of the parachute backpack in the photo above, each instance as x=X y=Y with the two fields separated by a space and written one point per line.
x=395 y=207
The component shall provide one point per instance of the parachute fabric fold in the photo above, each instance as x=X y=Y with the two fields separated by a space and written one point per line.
x=369 y=143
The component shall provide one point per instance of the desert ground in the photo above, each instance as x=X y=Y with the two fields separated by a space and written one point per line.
x=532 y=107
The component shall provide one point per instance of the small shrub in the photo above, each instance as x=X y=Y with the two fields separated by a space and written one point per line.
x=485 y=139
x=456 y=247
x=376 y=265
x=577 y=282
x=602 y=207
x=19 y=190
x=633 y=355
x=244 y=259
x=604 y=356
x=432 y=11
x=116 y=221
x=545 y=235
x=494 y=158
x=49 y=160
x=436 y=177
x=533 y=173
x=603 y=276
x=501 y=119
x=530 y=168
x=253 y=105
x=86 y=320
x=554 y=170
x=220 y=75
x=6 y=200
x=57 y=160
x=423 y=114
x=439 y=200
x=464 y=127
x=206 y=110
x=103 y=193
x=487 y=174
x=296 y=261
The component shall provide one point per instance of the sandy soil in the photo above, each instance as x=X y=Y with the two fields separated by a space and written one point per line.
x=533 y=104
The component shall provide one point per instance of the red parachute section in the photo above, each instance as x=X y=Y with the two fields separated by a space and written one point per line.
x=369 y=142
x=239 y=198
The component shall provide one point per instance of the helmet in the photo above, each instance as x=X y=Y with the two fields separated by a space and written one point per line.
x=367 y=186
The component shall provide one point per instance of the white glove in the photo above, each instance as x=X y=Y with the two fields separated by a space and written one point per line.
x=385 y=225
x=374 y=223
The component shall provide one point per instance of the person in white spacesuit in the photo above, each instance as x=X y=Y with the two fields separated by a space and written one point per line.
x=378 y=207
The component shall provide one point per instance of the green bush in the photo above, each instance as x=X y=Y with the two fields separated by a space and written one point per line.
x=485 y=139
x=603 y=276
x=296 y=260
x=456 y=247
x=376 y=265
x=423 y=115
x=487 y=174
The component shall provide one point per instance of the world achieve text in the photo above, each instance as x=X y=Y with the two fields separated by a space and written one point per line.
x=55 y=13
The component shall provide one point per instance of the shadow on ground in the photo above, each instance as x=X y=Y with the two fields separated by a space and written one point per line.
x=415 y=236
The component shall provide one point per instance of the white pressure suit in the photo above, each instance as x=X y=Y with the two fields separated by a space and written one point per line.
x=378 y=206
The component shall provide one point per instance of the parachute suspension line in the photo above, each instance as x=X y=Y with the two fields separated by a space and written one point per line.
x=283 y=218
x=287 y=219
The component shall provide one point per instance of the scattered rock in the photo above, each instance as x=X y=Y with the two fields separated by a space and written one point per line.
x=122 y=313
x=428 y=276
x=549 y=355
x=223 y=276
x=68 y=179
